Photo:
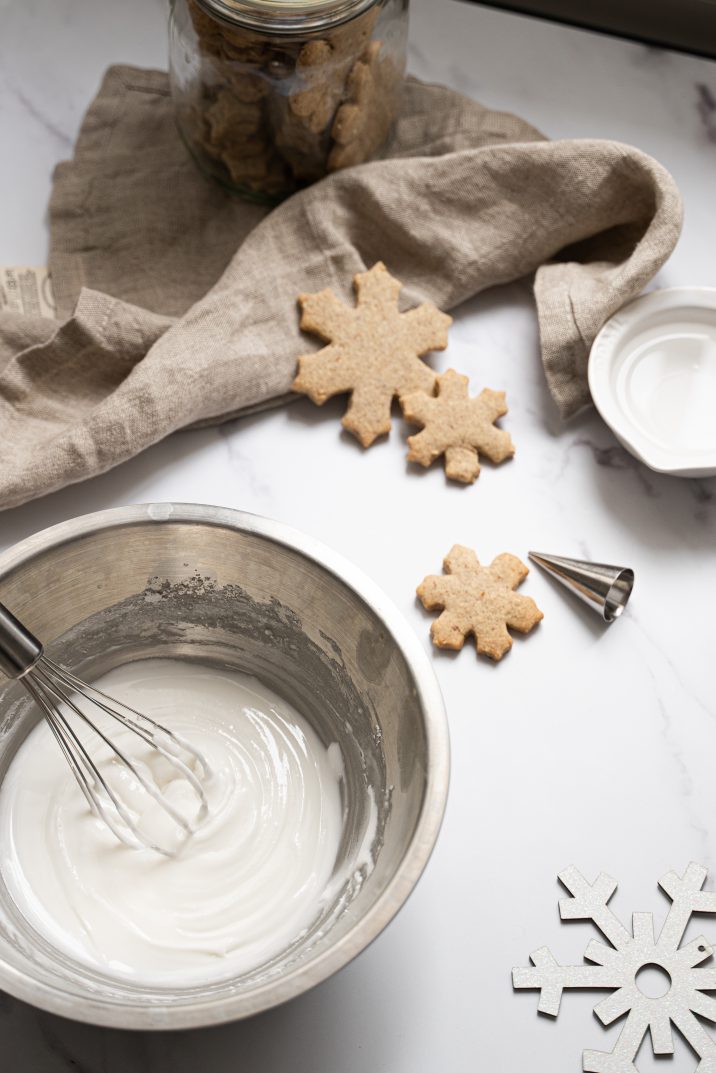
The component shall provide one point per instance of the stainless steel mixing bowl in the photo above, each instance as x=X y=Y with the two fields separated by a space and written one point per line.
x=237 y=590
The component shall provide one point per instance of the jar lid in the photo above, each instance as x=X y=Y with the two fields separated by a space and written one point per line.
x=652 y=374
x=286 y=16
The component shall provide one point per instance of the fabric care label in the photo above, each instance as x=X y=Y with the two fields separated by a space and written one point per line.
x=26 y=290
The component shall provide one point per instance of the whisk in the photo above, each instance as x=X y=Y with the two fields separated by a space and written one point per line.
x=57 y=692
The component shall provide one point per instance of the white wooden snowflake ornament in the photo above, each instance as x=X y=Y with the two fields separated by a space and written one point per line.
x=615 y=968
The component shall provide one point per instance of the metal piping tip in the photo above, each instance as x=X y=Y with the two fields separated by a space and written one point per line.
x=606 y=589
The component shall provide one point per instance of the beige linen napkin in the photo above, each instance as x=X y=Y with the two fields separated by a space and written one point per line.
x=180 y=298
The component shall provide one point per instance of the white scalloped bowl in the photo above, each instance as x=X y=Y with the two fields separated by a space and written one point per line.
x=652 y=375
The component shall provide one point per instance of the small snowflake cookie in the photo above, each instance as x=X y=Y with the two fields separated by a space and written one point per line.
x=374 y=350
x=478 y=600
x=456 y=426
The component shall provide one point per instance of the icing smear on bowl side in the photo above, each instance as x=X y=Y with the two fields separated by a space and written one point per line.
x=254 y=876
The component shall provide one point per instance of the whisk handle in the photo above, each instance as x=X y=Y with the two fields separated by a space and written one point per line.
x=19 y=650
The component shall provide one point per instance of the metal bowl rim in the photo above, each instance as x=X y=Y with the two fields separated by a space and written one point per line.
x=229 y=1008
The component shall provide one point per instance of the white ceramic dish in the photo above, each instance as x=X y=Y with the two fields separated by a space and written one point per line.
x=652 y=375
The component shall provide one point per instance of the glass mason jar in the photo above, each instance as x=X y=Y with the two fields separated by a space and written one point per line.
x=273 y=94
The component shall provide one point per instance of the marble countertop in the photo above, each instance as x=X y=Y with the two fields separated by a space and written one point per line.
x=587 y=745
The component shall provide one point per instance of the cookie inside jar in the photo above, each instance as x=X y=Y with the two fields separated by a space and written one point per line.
x=271 y=95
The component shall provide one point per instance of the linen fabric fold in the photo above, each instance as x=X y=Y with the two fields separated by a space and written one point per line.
x=177 y=300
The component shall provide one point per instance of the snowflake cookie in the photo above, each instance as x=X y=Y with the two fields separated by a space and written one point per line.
x=617 y=967
x=457 y=426
x=364 y=119
x=373 y=353
x=479 y=600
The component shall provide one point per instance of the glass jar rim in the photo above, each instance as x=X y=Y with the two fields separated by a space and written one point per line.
x=286 y=16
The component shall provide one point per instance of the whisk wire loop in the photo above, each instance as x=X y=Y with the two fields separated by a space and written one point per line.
x=86 y=773
x=139 y=723
x=44 y=668
x=57 y=692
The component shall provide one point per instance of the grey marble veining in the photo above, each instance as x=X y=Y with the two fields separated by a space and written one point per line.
x=587 y=745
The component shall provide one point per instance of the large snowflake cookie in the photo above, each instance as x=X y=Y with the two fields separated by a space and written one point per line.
x=374 y=350
x=479 y=600
x=618 y=968
x=457 y=426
